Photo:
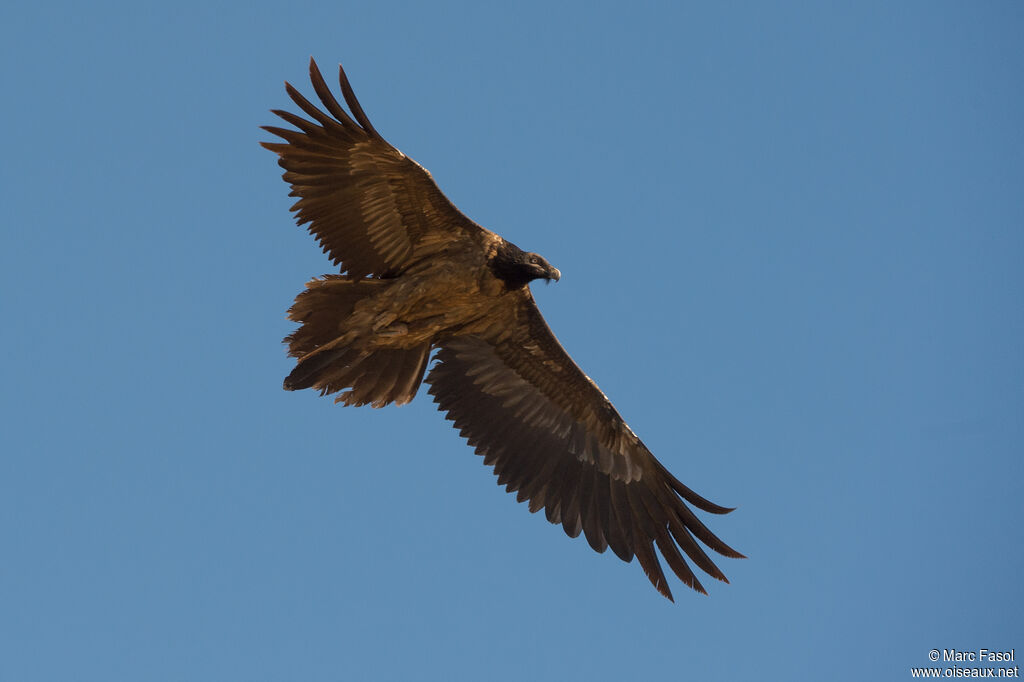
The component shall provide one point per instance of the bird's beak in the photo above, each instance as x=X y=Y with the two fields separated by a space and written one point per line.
x=554 y=274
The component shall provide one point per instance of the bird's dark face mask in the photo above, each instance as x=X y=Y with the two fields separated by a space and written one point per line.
x=542 y=269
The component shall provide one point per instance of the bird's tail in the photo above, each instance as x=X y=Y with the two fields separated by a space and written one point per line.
x=332 y=357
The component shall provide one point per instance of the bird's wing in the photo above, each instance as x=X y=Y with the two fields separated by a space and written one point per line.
x=373 y=209
x=554 y=437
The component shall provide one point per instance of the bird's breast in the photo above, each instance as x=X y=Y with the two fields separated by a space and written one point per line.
x=422 y=307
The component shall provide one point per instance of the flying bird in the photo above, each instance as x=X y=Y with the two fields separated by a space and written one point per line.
x=417 y=275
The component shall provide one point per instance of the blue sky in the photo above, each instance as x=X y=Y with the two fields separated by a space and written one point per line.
x=791 y=239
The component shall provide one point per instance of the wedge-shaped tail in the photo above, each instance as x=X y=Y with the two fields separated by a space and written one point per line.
x=334 y=358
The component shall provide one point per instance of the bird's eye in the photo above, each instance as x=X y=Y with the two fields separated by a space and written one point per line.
x=533 y=260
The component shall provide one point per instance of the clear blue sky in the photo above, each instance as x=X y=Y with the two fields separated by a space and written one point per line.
x=791 y=238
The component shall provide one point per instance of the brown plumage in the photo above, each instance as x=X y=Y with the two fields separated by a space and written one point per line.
x=419 y=275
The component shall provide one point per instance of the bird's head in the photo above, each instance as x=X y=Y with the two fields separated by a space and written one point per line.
x=541 y=269
x=517 y=267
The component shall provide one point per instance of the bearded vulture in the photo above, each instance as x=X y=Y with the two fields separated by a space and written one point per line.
x=415 y=276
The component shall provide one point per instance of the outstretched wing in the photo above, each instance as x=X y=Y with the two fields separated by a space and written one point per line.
x=553 y=437
x=374 y=210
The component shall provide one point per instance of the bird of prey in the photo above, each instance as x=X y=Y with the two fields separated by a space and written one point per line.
x=416 y=275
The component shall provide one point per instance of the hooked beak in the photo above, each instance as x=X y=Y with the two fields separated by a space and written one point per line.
x=553 y=274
